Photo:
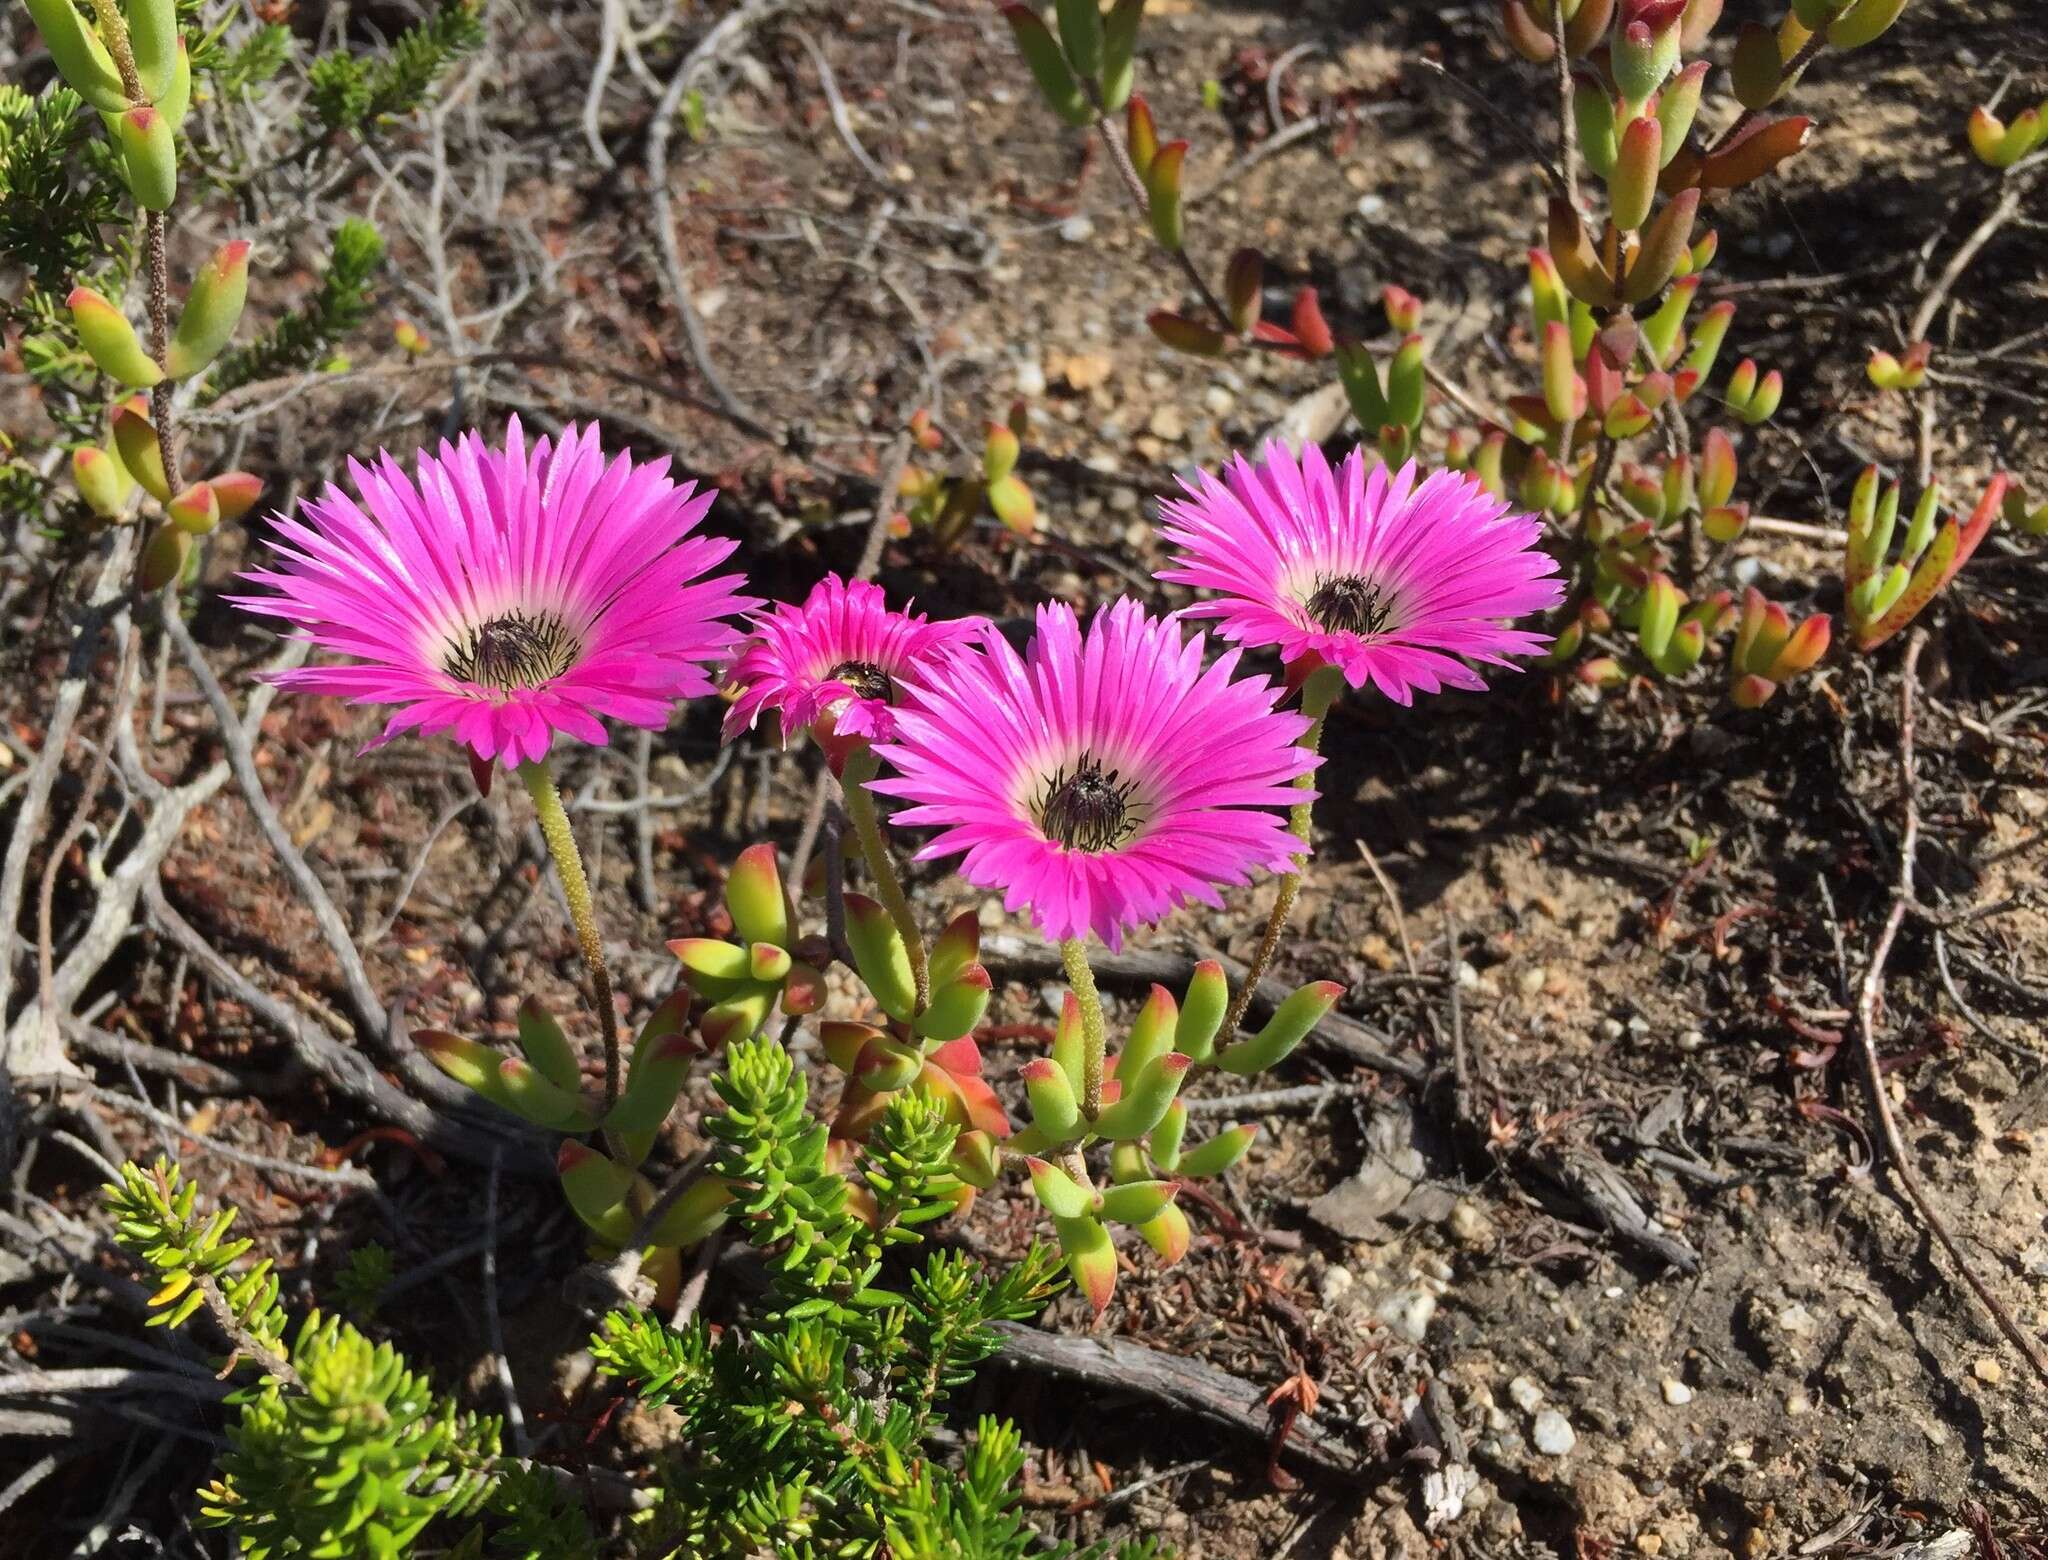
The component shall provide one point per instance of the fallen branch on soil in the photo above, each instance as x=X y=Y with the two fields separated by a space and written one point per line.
x=1866 y=1021
x=1117 y=1367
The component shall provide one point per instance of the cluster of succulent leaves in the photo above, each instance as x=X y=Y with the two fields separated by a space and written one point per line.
x=63 y=187
x=946 y=505
x=1602 y=446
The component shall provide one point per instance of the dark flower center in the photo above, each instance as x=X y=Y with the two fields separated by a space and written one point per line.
x=516 y=650
x=1347 y=604
x=1088 y=809
x=866 y=679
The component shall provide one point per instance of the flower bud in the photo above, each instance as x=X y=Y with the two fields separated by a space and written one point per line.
x=149 y=156
x=111 y=341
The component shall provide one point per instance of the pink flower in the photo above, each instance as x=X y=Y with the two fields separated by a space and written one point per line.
x=837 y=660
x=1385 y=580
x=507 y=595
x=1099 y=780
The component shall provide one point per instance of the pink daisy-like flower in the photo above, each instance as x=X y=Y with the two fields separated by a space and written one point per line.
x=1100 y=780
x=836 y=661
x=507 y=595
x=1385 y=579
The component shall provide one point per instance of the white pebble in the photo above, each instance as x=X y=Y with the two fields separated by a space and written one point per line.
x=1676 y=1392
x=1526 y=1394
x=1552 y=1434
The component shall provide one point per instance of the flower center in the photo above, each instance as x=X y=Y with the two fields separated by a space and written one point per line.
x=1347 y=604
x=1088 y=809
x=515 y=650
x=866 y=679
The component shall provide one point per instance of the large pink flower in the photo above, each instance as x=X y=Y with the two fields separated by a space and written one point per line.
x=1387 y=580
x=507 y=595
x=841 y=654
x=1099 y=780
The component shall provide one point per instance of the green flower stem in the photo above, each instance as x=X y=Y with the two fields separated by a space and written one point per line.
x=1317 y=695
x=860 y=768
x=539 y=781
x=1074 y=955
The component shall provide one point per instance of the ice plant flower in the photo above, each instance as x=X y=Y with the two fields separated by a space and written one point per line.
x=1386 y=579
x=507 y=595
x=835 y=663
x=1099 y=779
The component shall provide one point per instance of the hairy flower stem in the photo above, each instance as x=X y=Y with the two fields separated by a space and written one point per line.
x=539 y=781
x=1317 y=695
x=860 y=768
x=1074 y=955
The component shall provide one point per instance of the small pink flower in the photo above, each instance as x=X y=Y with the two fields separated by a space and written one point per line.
x=507 y=595
x=1099 y=780
x=1364 y=570
x=836 y=663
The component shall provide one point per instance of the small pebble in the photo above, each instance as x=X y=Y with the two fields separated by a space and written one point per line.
x=1407 y=1312
x=1468 y=977
x=1337 y=1282
x=1077 y=230
x=1649 y=1544
x=1552 y=1434
x=1691 y=1040
x=1530 y=981
x=1031 y=378
x=1797 y=1403
x=1470 y=1227
x=1988 y=1371
x=1676 y=1392
x=1525 y=1394
x=1218 y=400
x=1612 y=1029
